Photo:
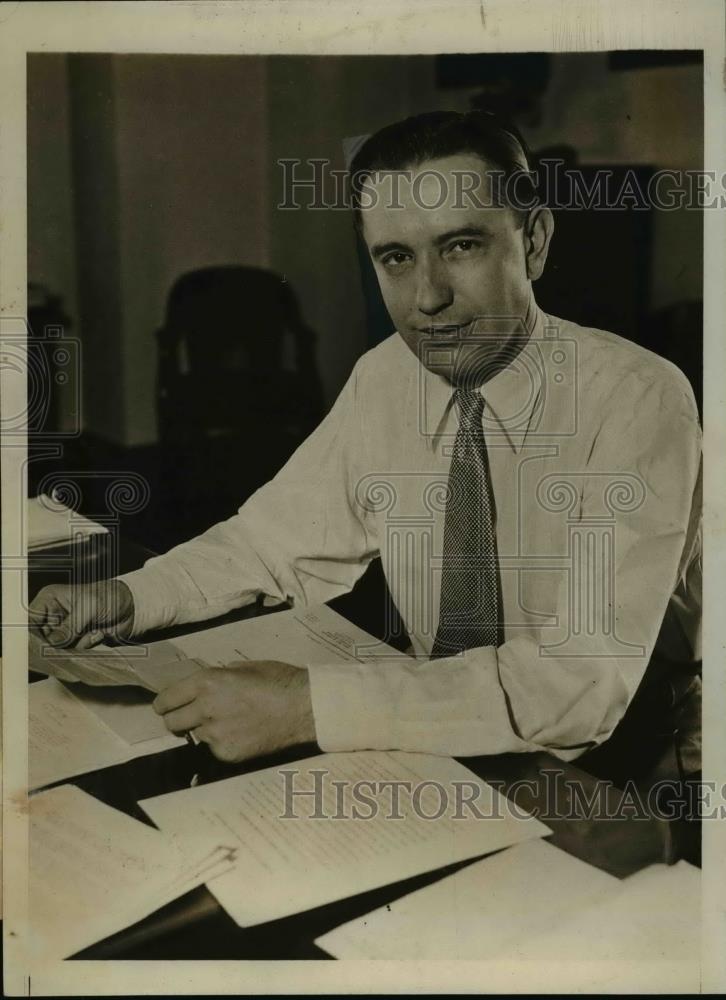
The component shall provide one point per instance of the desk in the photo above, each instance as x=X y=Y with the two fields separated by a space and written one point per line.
x=196 y=927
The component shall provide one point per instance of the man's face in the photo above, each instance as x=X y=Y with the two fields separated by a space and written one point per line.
x=445 y=271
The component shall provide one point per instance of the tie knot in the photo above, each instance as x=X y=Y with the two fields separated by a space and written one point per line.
x=471 y=407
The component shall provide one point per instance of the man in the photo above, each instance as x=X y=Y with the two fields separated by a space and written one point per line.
x=530 y=485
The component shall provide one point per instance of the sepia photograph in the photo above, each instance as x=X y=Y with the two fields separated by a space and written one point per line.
x=358 y=402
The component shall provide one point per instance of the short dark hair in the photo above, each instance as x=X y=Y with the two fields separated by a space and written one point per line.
x=436 y=134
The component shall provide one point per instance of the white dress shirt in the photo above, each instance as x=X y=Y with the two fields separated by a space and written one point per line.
x=594 y=449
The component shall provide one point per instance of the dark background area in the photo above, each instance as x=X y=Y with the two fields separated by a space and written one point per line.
x=146 y=169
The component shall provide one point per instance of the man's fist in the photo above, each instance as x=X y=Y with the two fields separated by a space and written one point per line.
x=242 y=711
x=83 y=615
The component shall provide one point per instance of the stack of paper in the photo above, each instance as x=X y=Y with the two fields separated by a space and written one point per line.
x=299 y=851
x=108 y=700
x=51 y=523
x=95 y=871
x=534 y=904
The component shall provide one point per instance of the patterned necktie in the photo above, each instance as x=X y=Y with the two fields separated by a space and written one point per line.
x=470 y=597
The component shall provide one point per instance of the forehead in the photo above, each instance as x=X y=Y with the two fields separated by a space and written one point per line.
x=429 y=199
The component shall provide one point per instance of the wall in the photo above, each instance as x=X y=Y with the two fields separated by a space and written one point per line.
x=191 y=137
x=313 y=105
x=142 y=167
x=627 y=117
x=175 y=167
x=98 y=253
x=51 y=230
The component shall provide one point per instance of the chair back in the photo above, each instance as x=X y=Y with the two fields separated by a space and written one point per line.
x=227 y=335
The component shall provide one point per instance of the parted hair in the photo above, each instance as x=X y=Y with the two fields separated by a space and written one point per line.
x=436 y=134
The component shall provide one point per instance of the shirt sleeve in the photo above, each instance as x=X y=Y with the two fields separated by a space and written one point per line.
x=300 y=538
x=523 y=696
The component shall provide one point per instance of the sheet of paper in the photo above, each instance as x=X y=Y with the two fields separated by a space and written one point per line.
x=644 y=937
x=653 y=915
x=64 y=738
x=308 y=635
x=490 y=908
x=152 y=667
x=128 y=712
x=315 y=635
x=98 y=666
x=288 y=865
x=95 y=871
x=535 y=903
x=51 y=523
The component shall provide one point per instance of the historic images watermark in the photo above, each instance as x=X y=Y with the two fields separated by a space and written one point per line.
x=314 y=184
x=313 y=794
x=50 y=361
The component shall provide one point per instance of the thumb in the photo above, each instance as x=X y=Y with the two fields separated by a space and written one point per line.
x=90 y=639
x=56 y=627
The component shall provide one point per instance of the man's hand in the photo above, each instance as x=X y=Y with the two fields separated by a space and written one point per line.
x=83 y=615
x=243 y=710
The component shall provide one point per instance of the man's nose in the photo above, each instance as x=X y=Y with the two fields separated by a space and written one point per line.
x=434 y=292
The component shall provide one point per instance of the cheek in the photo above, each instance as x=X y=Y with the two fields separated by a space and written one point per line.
x=495 y=282
x=395 y=297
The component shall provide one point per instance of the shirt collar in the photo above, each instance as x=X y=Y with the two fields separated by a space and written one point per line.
x=511 y=396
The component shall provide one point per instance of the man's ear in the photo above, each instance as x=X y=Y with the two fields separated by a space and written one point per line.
x=538 y=230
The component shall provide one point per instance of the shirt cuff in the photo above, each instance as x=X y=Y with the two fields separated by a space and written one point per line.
x=452 y=706
x=350 y=708
x=155 y=602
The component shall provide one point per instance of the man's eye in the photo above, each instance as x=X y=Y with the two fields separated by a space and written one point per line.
x=462 y=247
x=397 y=260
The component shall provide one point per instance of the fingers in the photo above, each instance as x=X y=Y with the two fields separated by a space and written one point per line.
x=46 y=614
x=224 y=746
x=65 y=633
x=71 y=616
x=60 y=614
x=82 y=615
x=181 y=720
x=178 y=694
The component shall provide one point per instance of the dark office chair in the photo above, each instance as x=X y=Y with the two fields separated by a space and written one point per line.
x=230 y=410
